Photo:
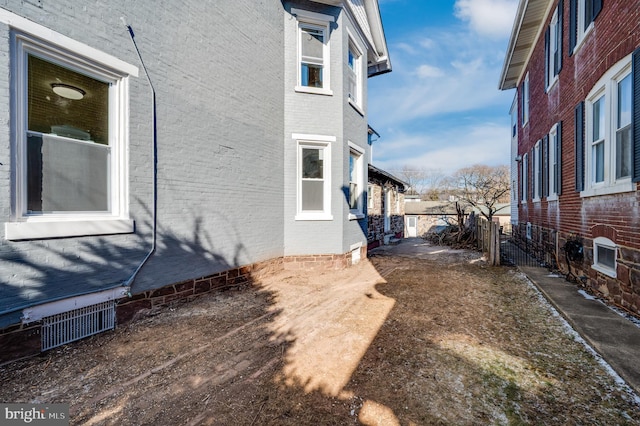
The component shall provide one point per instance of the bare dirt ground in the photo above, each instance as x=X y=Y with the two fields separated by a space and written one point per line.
x=416 y=335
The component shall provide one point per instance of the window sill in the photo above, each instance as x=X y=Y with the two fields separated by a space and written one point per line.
x=536 y=200
x=552 y=198
x=582 y=39
x=314 y=216
x=15 y=231
x=356 y=107
x=553 y=83
x=608 y=189
x=356 y=216
x=313 y=91
x=605 y=270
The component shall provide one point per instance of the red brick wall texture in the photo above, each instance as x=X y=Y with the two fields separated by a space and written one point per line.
x=615 y=35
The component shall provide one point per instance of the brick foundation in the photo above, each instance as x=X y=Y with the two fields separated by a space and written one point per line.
x=18 y=340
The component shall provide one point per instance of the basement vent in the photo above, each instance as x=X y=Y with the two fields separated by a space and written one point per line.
x=77 y=324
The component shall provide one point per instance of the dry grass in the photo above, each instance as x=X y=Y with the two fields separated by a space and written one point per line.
x=438 y=338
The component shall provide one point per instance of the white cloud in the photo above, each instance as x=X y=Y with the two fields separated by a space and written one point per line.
x=493 y=18
x=429 y=71
x=447 y=150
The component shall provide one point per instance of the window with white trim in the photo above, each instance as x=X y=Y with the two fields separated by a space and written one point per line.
x=70 y=141
x=608 y=147
x=370 y=198
x=354 y=73
x=537 y=172
x=552 y=170
x=356 y=178
x=582 y=15
x=314 y=181
x=524 y=178
x=313 y=52
x=525 y=100
x=605 y=253
x=553 y=48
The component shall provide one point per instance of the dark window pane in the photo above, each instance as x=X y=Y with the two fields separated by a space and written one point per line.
x=606 y=257
x=85 y=119
x=312 y=163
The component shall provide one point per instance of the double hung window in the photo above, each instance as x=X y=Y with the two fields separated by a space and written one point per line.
x=314 y=177
x=354 y=75
x=313 y=52
x=356 y=179
x=553 y=47
x=524 y=178
x=525 y=100
x=537 y=172
x=582 y=13
x=607 y=128
x=70 y=140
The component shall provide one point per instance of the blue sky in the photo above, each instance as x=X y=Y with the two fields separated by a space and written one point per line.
x=440 y=108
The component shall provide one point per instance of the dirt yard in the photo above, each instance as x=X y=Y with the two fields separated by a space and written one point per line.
x=417 y=335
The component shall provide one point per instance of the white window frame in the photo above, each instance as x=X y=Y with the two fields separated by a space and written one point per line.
x=323 y=143
x=537 y=189
x=525 y=178
x=600 y=267
x=514 y=119
x=354 y=75
x=553 y=164
x=554 y=44
x=317 y=21
x=607 y=86
x=525 y=101
x=581 y=29
x=370 y=197
x=29 y=37
x=358 y=153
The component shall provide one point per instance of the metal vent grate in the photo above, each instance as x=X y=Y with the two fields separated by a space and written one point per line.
x=69 y=326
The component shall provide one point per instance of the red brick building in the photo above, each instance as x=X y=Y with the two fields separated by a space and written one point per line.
x=576 y=138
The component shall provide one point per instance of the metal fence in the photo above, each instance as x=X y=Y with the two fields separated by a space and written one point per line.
x=522 y=246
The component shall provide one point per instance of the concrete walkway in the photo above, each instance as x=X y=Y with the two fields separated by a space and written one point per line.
x=614 y=337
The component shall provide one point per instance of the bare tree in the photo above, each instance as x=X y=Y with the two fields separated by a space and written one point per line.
x=483 y=187
x=422 y=181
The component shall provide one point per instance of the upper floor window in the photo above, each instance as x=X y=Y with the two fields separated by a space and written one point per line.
x=514 y=119
x=608 y=145
x=553 y=47
x=70 y=142
x=354 y=73
x=525 y=100
x=313 y=52
x=582 y=15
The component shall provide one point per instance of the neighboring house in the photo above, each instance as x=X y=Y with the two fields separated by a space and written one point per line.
x=423 y=217
x=385 y=207
x=131 y=130
x=576 y=67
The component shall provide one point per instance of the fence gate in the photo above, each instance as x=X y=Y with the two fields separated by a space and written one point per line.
x=525 y=249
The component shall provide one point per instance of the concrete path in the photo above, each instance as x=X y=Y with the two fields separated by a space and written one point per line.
x=614 y=337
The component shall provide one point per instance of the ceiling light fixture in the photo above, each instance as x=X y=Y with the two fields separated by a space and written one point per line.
x=68 y=91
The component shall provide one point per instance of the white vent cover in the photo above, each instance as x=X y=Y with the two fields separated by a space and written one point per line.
x=76 y=324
